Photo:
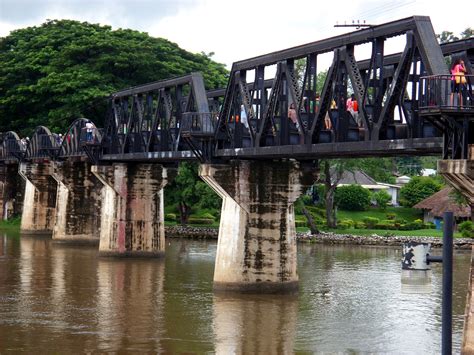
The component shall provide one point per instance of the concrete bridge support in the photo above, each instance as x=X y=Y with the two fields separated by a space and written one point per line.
x=12 y=187
x=78 y=202
x=132 y=222
x=39 y=204
x=256 y=249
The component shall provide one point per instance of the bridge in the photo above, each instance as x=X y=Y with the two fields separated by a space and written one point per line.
x=106 y=185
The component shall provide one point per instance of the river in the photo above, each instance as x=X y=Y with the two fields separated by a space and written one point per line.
x=56 y=298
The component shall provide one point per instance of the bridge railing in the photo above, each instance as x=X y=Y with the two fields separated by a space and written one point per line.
x=91 y=136
x=451 y=92
x=198 y=124
x=14 y=149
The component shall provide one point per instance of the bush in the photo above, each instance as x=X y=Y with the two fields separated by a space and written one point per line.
x=353 y=198
x=199 y=220
x=349 y=222
x=370 y=222
x=467 y=229
x=343 y=225
x=430 y=225
x=207 y=215
x=359 y=225
x=419 y=188
x=300 y=223
x=171 y=217
x=391 y=216
x=382 y=198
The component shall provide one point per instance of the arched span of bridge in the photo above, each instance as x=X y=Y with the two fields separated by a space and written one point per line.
x=12 y=147
x=76 y=134
x=42 y=144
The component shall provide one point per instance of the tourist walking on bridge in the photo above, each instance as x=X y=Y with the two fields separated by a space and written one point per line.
x=458 y=81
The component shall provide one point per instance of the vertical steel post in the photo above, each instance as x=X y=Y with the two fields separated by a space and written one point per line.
x=447 y=313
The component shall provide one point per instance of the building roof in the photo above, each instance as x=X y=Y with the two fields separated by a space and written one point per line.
x=441 y=202
x=356 y=177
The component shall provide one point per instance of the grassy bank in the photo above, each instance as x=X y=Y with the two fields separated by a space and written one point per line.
x=411 y=233
x=11 y=224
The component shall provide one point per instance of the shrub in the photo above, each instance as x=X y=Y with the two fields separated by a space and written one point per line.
x=419 y=188
x=207 y=215
x=467 y=229
x=349 y=222
x=382 y=198
x=353 y=198
x=359 y=225
x=171 y=217
x=370 y=222
x=343 y=225
x=430 y=225
x=199 y=220
x=300 y=223
x=391 y=216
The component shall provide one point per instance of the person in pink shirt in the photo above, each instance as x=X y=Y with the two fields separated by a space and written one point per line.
x=457 y=85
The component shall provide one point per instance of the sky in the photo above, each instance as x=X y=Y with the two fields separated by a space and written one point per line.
x=233 y=30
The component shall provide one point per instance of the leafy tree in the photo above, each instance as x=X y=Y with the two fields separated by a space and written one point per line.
x=419 y=188
x=187 y=191
x=411 y=166
x=353 y=198
x=382 y=198
x=63 y=69
x=448 y=36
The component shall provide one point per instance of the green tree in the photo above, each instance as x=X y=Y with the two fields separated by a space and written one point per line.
x=353 y=198
x=63 y=69
x=188 y=192
x=419 y=188
x=411 y=166
x=382 y=198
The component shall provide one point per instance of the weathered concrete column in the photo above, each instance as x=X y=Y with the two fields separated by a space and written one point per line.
x=256 y=249
x=132 y=222
x=78 y=202
x=12 y=187
x=39 y=204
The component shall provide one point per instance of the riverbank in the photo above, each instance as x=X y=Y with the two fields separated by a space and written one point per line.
x=325 y=238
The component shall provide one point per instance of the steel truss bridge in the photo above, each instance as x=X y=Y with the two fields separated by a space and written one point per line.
x=406 y=107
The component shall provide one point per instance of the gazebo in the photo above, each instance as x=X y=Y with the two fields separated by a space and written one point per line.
x=434 y=207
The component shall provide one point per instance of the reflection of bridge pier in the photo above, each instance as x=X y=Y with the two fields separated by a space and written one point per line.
x=78 y=202
x=130 y=297
x=39 y=206
x=255 y=324
x=257 y=236
x=132 y=222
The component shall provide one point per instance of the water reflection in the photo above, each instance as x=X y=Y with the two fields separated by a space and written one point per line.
x=56 y=299
x=130 y=302
x=251 y=324
x=3 y=245
x=416 y=281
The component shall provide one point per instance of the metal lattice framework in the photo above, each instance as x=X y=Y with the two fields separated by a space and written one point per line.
x=72 y=141
x=177 y=119
x=157 y=118
x=42 y=144
x=11 y=147
x=378 y=90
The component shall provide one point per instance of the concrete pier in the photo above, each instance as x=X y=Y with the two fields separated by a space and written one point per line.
x=78 y=202
x=39 y=205
x=256 y=249
x=132 y=222
x=12 y=187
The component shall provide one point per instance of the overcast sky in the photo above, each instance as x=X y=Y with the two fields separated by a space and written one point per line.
x=233 y=30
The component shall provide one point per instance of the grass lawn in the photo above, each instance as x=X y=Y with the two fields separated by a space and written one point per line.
x=412 y=233
x=408 y=214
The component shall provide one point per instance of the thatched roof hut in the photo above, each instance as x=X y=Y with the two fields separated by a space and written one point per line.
x=441 y=202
